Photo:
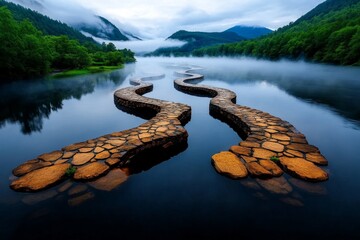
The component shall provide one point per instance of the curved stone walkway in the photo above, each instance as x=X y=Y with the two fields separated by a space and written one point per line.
x=270 y=144
x=96 y=157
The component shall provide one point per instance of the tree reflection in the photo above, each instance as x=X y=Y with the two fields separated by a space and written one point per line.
x=29 y=102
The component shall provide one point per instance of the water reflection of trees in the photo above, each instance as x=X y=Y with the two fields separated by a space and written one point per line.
x=338 y=90
x=29 y=102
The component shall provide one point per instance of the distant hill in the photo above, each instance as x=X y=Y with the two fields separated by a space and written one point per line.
x=249 y=32
x=45 y=24
x=195 y=40
x=330 y=33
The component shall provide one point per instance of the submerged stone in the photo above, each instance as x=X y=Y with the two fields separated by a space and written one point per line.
x=110 y=181
x=277 y=185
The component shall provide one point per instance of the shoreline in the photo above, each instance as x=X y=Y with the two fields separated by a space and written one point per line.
x=83 y=71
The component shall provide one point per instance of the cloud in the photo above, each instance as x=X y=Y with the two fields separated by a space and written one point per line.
x=144 y=46
x=161 y=18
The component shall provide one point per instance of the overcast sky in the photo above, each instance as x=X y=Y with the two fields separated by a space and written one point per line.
x=161 y=18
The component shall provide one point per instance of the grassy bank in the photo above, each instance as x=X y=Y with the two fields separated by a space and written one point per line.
x=84 y=71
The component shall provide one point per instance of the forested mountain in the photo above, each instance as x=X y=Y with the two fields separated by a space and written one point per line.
x=26 y=52
x=249 y=32
x=195 y=40
x=92 y=24
x=43 y=23
x=330 y=33
x=325 y=7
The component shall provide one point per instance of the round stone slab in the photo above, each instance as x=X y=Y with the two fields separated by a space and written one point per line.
x=49 y=157
x=229 y=164
x=82 y=158
x=41 y=178
x=303 y=169
x=91 y=171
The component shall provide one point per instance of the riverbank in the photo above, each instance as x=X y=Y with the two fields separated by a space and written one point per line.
x=84 y=71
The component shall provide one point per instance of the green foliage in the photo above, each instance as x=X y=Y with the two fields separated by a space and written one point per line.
x=275 y=159
x=329 y=37
x=68 y=53
x=45 y=24
x=88 y=70
x=25 y=52
x=70 y=171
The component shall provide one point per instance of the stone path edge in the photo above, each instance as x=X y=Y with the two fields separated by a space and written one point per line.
x=95 y=157
x=271 y=145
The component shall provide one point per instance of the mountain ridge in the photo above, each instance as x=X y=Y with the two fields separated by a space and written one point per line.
x=249 y=32
x=329 y=33
x=196 y=40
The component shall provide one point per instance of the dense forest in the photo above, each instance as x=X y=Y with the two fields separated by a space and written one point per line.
x=27 y=52
x=45 y=24
x=330 y=33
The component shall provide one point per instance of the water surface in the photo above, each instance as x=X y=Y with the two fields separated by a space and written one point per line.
x=183 y=197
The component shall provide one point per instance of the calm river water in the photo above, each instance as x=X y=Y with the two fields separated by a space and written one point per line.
x=183 y=197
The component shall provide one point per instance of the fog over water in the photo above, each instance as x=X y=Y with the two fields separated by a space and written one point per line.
x=180 y=195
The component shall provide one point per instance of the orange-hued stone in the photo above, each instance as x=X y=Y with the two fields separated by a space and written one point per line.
x=262 y=153
x=75 y=146
x=273 y=146
x=249 y=144
x=49 y=157
x=102 y=155
x=295 y=153
x=303 y=169
x=28 y=167
x=281 y=137
x=248 y=159
x=98 y=149
x=256 y=170
x=82 y=158
x=240 y=151
x=41 y=178
x=303 y=147
x=145 y=135
x=317 y=158
x=68 y=155
x=272 y=167
x=229 y=164
x=91 y=171
x=112 y=161
x=85 y=150
x=116 y=142
x=110 y=181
